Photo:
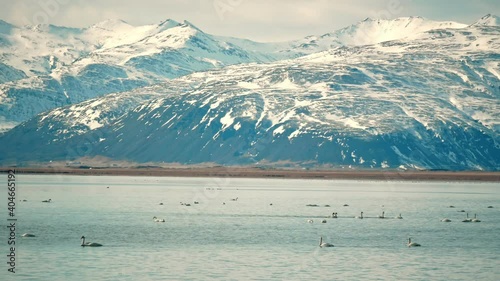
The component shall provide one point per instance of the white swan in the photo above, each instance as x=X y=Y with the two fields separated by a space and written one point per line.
x=324 y=244
x=360 y=216
x=28 y=235
x=155 y=219
x=310 y=221
x=412 y=244
x=399 y=216
x=467 y=219
x=446 y=220
x=475 y=219
x=382 y=216
x=89 y=244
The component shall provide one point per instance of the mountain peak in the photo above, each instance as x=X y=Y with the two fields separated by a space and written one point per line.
x=488 y=20
x=168 y=23
x=373 y=31
x=187 y=23
x=112 y=25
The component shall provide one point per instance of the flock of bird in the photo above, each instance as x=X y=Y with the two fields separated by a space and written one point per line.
x=382 y=216
x=321 y=243
x=360 y=216
x=83 y=244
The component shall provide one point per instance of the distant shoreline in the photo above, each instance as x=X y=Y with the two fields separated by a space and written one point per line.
x=248 y=172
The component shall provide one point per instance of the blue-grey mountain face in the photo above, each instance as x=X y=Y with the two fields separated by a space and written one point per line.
x=429 y=102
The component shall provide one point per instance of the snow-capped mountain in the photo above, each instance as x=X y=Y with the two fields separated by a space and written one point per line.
x=427 y=101
x=373 y=31
x=489 y=20
x=44 y=67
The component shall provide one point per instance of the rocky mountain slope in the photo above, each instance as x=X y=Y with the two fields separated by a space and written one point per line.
x=429 y=101
x=45 y=67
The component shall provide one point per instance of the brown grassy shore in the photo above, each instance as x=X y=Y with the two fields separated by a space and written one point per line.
x=250 y=172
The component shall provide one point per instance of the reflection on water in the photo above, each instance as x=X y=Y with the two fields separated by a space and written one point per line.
x=264 y=235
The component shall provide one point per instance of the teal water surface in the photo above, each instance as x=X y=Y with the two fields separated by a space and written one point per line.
x=263 y=235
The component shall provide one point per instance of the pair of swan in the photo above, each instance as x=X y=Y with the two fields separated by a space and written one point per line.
x=412 y=244
x=380 y=217
x=467 y=219
x=155 y=219
x=324 y=244
x=89 y=244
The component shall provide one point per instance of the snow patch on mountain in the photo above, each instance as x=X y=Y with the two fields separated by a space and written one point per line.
x=488 y=20
x=415 y=93
x=433 y=105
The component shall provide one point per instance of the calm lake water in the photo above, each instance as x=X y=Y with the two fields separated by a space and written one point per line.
x=250 y=239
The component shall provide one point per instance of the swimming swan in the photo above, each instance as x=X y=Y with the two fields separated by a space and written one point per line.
x=475 y=219
x=467 y=219
x=412 y=244
x=324 y=244
x=361 y=216
x=28 y=235
x=446 y=220
x=89 y=244
x=155 y=219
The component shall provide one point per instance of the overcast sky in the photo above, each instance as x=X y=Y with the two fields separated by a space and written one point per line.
x=261 y=20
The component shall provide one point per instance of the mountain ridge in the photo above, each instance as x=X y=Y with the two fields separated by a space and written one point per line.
x=425 y=101
x=139 y=55
x=429 y=102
